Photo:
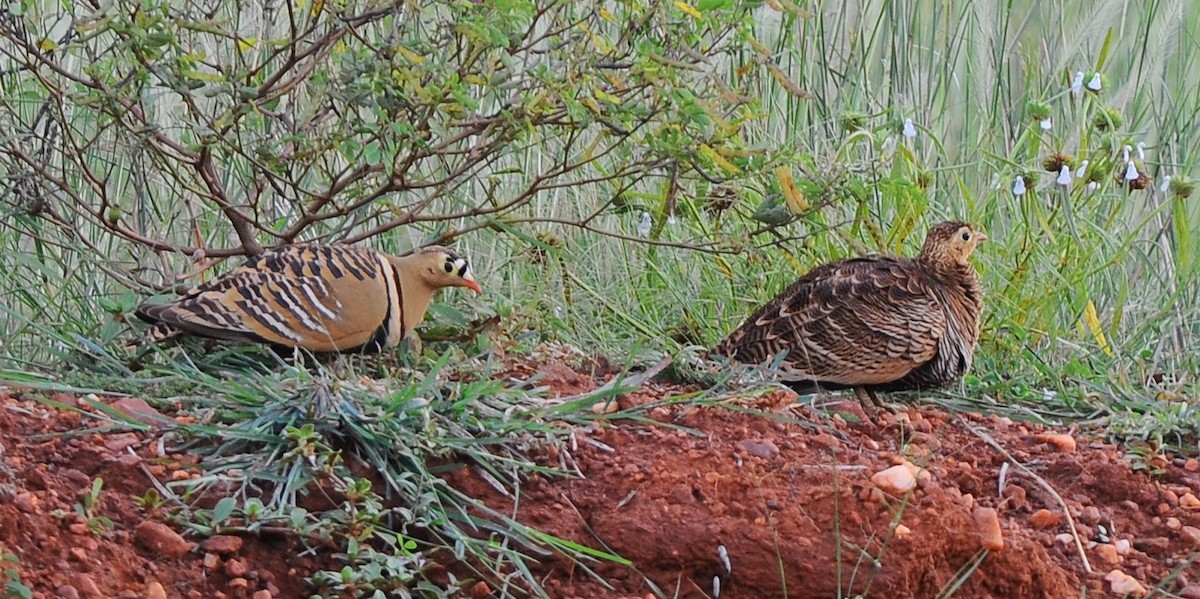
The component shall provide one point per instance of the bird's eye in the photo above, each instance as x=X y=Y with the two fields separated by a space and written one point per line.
x=966 y=236
x=449 y=266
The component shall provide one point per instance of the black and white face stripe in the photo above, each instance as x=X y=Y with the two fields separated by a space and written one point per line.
x=456 y=264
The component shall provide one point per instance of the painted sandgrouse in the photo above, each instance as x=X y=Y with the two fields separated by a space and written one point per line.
x=875 y=323
x=322 y=298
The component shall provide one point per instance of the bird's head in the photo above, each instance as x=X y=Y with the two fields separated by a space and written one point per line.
x=951 y=243
x=440 y=267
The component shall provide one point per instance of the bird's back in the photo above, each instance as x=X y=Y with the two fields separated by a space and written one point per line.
x=318 y=297
x=870 y=321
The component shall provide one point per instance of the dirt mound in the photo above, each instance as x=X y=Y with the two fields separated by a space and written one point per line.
x=793 y=509
x=773 y=505
x=68 y=546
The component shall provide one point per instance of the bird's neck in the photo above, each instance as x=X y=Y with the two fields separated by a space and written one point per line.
x=416 y=295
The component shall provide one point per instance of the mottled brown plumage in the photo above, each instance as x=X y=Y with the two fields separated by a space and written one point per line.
x=876 y=323
x=322 y=298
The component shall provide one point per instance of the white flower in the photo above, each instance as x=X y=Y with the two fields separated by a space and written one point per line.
x=1077 y=84
x=1166 y=184
x=909 y=130
x=1141 y=151
x=1125 y=154
x=995 y=181
x=1082 y=170
x=1019 y=186
x=1045 y=124
x=1131 y=173
x=1094 y=83
x=643 y=226
x=1091 y=187
x=671 y=220
x=1064 y=176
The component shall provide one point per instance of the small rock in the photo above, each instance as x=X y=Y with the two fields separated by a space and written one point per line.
x=1125 y=585
x=987 y=524
x=129 y=460
x=26 y=502
x=66 y=592
x=78 y=554
x=261 y=594
x=1045 y=518
x=161 y=540
x=761 y=448
x=480 y=590
x=211 y=561
x=605 y=407
x=137 y=409
x=119 y=442
x=222 y=544
x=1173 y=523
x=87 y=587
x=1191 y=534
x=1191 y=591
x=896 y=480
x=77 y=477
x=1123 y=546
x=155 y=591
x=1090 y=515
x=1062 y=442
x=1191 y=465
x=1065 y=538
x=236 y=568
x=903 y=532
x=78 y=528
x=239 y=583
x=1152 y=544
x=1189 y=502
x=1108 y=553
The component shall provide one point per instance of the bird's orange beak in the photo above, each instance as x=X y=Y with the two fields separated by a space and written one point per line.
x=980 y=236
x=470 y=283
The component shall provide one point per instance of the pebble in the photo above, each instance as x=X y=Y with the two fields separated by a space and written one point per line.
x=903 y=532
x=1062 y=442
x=1191 y=534
x=211 y=561
x=480 y=590
x=1155 y=544
x=760 y=448
x=66 y=592
x=155 y=591
x=1191 y=591
x=1123 y=546
x=119 y=442
x=1045 y=518
x=1189 y=502
x=1064 y=538
x=87 y=587
x=896 y=480
x=1125 y=585
x=1173 y=523
x=1108 y=553
x=1090 y=515
x=161 y=540
x=1192 y=465
x=605 y=407
x=262 y=594
x=222 y=544
x=137 y=409
x=987 y=523
x=236 y=568
x=26 y=502
x=239 y=583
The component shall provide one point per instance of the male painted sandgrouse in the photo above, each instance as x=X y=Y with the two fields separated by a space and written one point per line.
x=322 y=298
x=876 y=323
